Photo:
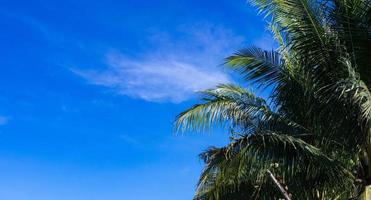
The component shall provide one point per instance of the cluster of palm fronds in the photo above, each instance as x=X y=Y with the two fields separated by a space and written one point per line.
x=315 y=135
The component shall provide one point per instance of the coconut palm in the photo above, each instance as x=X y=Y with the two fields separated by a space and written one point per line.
x=313 y=140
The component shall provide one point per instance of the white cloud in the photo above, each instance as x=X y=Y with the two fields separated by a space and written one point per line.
x=3 y=120
x=129 y=140
x=177 y=66
x=266 y=41
x=154 y=80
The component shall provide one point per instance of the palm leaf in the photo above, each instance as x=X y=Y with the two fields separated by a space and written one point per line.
x=258 y=66
x=244 y=162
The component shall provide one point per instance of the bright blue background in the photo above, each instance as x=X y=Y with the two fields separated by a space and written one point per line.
x=64 y=139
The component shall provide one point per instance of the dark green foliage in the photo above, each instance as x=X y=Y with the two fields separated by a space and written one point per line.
x=316 y=134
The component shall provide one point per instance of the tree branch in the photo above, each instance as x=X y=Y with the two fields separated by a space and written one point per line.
x=278 y=184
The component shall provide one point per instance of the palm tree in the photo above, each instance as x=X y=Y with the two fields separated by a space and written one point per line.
x=313 y=139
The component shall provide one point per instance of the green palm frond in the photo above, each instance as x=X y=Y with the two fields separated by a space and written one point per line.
x=352 y=98
x=317 y=127
x=245 y=161
x=302 y=22
x=233 y=106
x=257 y=65
x=351 y=21
x=225 y=104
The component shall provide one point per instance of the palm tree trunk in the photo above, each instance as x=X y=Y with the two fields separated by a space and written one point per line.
x=368 y=157
x=366 y=194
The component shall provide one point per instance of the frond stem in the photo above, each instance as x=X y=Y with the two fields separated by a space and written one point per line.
x=278 y=184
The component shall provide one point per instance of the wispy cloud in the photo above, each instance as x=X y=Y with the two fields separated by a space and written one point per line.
x=154 y=80
x=3 y=120
x=177 y=65
x=129 y=140
x=265 y=41
x=38 y=26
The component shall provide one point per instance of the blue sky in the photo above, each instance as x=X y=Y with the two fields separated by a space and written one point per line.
x=89 y=91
